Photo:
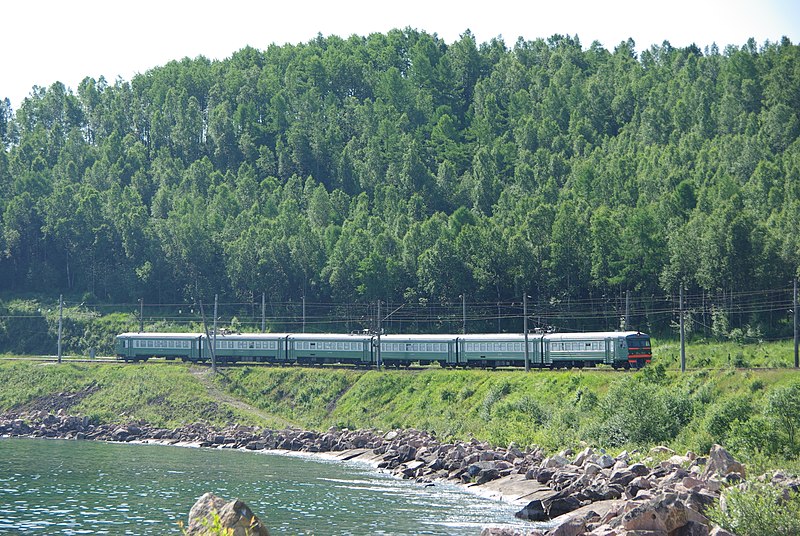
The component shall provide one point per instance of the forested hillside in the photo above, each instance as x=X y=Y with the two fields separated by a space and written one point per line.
x=403 y=168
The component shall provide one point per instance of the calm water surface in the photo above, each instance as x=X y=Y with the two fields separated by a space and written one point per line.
x=84 y=487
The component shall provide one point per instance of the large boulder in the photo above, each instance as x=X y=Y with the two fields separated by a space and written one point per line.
x=234 y=516
x=721 y=463
x=664 y=513
x=533 y=511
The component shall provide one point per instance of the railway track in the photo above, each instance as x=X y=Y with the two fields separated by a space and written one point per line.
x=161 y=361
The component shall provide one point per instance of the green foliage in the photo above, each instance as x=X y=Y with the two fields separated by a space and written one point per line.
x=722 y=415
x=638 y=411
x=783 y=405
x=396 y=164
x=758 y=510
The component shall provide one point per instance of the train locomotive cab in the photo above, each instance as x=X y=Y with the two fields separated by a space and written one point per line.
x=639 y=351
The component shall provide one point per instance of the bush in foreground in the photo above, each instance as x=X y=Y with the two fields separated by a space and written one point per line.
x=758 y=510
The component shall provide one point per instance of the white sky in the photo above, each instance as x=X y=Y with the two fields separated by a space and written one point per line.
x=60 y=40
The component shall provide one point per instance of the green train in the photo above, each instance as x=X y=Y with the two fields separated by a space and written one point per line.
x=619 y=349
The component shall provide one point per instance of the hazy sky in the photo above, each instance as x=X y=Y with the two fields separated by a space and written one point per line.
x=58 y=40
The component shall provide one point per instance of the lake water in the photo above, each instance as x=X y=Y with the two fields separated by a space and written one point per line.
x=84 y=487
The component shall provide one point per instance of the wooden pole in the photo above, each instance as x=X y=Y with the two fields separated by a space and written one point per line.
x=263 y=312
x=627 y=323
x=464 y=314
x=214 y=342
x=683 y=339
x=60 y=323
x=796 y=355
x=525 y=331
x=378 y=354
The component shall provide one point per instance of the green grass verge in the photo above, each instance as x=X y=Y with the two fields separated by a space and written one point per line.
x=166 y=396
x=756 y=414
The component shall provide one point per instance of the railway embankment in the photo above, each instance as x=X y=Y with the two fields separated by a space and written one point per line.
x=589 y=492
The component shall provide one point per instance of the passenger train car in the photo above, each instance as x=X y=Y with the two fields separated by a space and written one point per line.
x=619 y=349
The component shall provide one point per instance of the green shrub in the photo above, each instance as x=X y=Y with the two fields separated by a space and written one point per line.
x=758 y=510
x=721 y=415
x=783 y=404
x=754 y=435
x=640 y=412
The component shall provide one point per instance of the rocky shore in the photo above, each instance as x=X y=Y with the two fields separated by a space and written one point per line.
x=567 y=494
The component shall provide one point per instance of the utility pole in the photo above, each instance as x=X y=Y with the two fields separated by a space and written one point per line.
x=141 y=315
x=464 y=314
x=627 y=323
x=683 y=340
x=304 y=314
x=263 y=312
x=208 y=339
x=60 y=322
x=796 y=355
x=525 y=331
x=214 y=342
x=378 y=354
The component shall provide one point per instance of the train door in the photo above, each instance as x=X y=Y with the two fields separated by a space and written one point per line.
x=452 y=352
x=609 y=343
x=547 y=358
x=369 y=352
x=201 y=349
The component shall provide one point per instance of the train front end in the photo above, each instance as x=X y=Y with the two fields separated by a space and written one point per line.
x=639 y=351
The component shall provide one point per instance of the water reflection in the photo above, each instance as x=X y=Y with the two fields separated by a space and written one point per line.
x=70 y=487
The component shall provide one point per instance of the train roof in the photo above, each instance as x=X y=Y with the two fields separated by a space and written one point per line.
x=252 y=336
x=330 y=336
x=592 y=335
x=391 y=337
x=396 y=337
x=156 y=335
x=494 y=337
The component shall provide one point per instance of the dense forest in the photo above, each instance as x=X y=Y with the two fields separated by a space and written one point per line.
x=402 y=168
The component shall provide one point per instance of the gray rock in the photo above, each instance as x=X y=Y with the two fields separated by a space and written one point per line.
x=639 y=469
x=720 y=462
x=533 y=511
x=662 y=513
x=605 y=461
x=235 y=516
x=556 y=461
x=571 y=527
x=621 y=477
x=692 y=528
x=591 y=469
x=561 y=505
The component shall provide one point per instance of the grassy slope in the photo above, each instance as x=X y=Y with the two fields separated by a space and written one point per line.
x=552 y=409
x=163 y=396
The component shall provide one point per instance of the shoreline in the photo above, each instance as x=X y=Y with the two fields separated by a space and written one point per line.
x=567 y=494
